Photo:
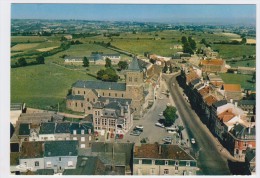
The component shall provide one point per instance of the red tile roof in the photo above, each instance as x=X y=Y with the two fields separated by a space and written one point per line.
x=210 y=100
x=226 y=115
x=32 y=150
x=191 y=76
x=212 y=62
x=232 y=87
x=204 y=91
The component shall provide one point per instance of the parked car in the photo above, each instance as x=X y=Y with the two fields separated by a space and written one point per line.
x=139 y=127
x=161 y=114
x=159 y=124
x=192 y=140
x=167 y=139
x=135 y=133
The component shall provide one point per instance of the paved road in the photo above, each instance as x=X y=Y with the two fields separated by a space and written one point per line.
x=210 y=160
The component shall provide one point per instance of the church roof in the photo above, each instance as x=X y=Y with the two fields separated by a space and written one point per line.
x=134 y=65
x=100 y=85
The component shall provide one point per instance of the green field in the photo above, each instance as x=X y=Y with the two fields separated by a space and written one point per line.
x=25 y=39
x=241 y=79
x=227 y=51
x=42 y=86
x=248 y=63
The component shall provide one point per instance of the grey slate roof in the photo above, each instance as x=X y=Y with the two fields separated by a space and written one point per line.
x=75 y=97
x=61 y=148
x=120 y=100
x=85 y=166
x=219 y=103
x=81 y=126
x=24 y=129
x=247 y=102
x=134 y=65
x=126 y=148
x=118 y=159
x=250 y=154
x=45 y=172
x=47 y=128
x=100 y=85
x=195 y=81
x=241 y=132
x=63 y=127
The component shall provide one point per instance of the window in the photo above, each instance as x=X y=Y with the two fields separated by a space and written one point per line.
x=84 y=92
x=176 y=168
x=36 y=163
x=152 y=171
x=74 y=132
x=76 y=104
x=59 y=158
x=130 y=79
x=82 y=132
x=48 y=164
x=135 y=79
x=139 y=171
x=82 y=105
x=89 y=138
x=122 y=95
x=82 y=139
x=177 y=163
x=245 y=143
x=89 y=108
x=166 y=162
x=115 y=94
x=78 y=92
x=109 y=94
x=82 y=145
x=140 y=161
x=187 y=163
x=88 y=99
x=94 y=100
x=74 y=138
x=70 y=163
x=103 y=93
x=166 y=171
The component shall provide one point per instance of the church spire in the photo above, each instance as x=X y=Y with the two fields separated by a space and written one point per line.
x=134 y=65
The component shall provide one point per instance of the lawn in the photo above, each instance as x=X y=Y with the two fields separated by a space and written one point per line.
x=43 y=86
x=227 y=51
x=25 y=39
x=23 y=47
x=243 y=80
x=248 y=63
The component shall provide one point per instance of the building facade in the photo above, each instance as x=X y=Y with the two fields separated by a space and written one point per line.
x=155 y=159
x=86 y=93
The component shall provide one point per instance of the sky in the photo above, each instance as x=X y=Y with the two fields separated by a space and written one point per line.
x=131 y=12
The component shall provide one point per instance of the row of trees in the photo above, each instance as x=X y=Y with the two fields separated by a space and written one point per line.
x=21 y=62
x=188 y=44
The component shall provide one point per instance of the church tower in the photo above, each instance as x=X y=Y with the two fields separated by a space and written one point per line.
x=134 y=86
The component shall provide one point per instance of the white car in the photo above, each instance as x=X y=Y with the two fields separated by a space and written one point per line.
x=139 y=127
x=161 y=114
x=192 y=140
x=167 y=139
x=159 y=125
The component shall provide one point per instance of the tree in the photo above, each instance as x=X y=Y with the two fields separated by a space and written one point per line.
x=243 y=41
x=85 y=62
x=122 y=65
x=109 y=74
x=187 y=48
x=184 y=39
x=254 y=77
x=40 y=60
x=108 y=63
x=22 y=62
x=170 y=115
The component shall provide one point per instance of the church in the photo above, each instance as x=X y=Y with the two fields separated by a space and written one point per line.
x=86 y=93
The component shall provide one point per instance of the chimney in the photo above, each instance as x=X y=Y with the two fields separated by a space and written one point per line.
x=160 y=149
x=231 y=101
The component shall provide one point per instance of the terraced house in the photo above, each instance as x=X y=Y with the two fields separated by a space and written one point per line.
x=86 y=93
x=156 y=159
